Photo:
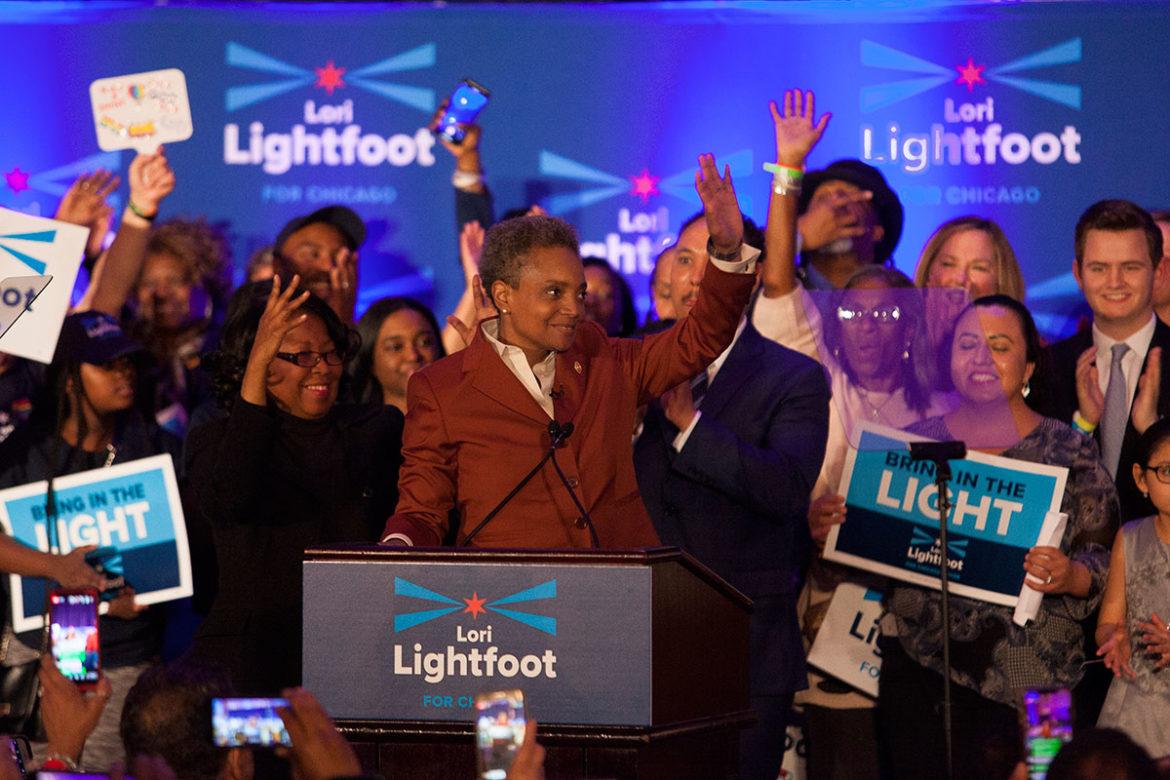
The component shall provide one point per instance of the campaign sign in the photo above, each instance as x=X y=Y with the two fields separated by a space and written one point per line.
x=132 y=507
x=141 y=110
x=575 y=638
x=33 y=246
x=846 y=644
x=998 y=510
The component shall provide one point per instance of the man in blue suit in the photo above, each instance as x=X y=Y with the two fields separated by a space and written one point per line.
x=725 y=466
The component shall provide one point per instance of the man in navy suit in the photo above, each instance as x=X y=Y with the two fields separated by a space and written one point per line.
x=1118 y=250
x=725 y=464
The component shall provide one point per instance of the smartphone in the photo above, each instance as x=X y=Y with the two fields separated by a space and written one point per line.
x=53 y=775
x=107 y=561
x=1047 y=722
x=254 y=722
x=463 y=107
x=499 y=731
x=73 y=634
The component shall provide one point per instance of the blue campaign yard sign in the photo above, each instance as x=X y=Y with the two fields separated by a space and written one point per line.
x=132 y=507
x=998 y=509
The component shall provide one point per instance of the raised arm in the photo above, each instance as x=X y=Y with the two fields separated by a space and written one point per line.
x=151 y=180
x=796 y=135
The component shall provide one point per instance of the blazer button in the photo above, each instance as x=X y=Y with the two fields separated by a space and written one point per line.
x=573 y=482
x=579 y=522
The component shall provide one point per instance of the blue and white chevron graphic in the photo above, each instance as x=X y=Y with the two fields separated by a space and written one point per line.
x=608 y=185
x=21 y=250
x=501 y=606
x=920 y=538
x=878 y=96
x=294 y=77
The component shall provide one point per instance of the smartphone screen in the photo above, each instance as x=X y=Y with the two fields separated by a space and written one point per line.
x=238 y=722
x=73 y=634
x=51 y=775
x=499 y=719
x=1047 y=727
x=463 y=107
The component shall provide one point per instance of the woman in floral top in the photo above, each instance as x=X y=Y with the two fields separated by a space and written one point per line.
x=993 y=355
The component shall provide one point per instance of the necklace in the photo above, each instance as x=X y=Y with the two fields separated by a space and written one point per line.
x=111 y=452
x=875 y=410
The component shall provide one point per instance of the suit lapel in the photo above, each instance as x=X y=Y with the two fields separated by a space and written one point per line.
x=734 y=372
x=491 y=377
x=569 y=384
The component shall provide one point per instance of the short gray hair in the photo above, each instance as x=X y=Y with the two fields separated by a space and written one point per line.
x=508 y=244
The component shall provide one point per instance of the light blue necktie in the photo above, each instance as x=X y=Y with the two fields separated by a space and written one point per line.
x=1116 y=412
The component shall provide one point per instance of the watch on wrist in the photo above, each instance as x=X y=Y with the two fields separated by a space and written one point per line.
x=726 y=257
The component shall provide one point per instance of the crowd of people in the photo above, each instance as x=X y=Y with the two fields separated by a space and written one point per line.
x=722 y=425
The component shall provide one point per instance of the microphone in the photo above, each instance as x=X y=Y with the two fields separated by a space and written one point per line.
x=559 y=434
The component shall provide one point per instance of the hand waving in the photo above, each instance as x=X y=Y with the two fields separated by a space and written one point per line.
x=720 y=206
x=85 y=204
x=796 y=134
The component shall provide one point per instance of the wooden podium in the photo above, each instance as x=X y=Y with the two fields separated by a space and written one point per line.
x=634 y=662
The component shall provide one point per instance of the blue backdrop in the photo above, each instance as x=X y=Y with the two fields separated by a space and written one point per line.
x=1024 y=113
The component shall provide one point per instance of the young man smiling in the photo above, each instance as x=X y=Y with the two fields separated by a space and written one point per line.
x=1106 y=380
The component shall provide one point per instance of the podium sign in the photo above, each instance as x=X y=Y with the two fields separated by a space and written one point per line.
x=430 y=636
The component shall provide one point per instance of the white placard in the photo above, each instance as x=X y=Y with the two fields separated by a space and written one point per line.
x=35 y=246
x=846 y=644
x=141 y=110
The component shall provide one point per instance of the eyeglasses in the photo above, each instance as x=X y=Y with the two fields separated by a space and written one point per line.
x=309 y=359
x=1161 y=471
x=883 y=315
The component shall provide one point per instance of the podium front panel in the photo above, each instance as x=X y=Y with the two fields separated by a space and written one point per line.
x=388 y=640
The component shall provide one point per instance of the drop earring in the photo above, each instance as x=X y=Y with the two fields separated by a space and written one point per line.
x=1026 y=389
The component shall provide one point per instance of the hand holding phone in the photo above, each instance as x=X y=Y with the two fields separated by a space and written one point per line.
x=248 y=723
x=73 y=634
x=500 y=726
x=464 y=105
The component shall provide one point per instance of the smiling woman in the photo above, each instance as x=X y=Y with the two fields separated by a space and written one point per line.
x=287 y=469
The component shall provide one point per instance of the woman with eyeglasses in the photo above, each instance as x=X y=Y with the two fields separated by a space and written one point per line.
x=994 y=353
x=1133 y=629
x=871 y=338
x=287 y=468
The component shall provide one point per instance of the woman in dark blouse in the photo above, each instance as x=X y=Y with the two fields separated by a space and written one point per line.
x=287 y=468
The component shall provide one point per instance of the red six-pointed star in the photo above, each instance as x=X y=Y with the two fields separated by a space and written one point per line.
x=475 y=605
x=329 y=77
x=645 y=185
x=970 y=74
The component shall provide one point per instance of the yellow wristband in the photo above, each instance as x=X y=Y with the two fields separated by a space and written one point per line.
x=1081 y=424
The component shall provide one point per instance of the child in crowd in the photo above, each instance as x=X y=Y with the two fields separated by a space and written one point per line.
x=1132 y=631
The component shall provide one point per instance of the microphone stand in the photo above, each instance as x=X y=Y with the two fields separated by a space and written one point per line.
x=558 y=434
x=567 y=429
x=941 y=453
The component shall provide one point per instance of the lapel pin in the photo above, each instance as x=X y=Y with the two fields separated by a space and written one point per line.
x=577 y=367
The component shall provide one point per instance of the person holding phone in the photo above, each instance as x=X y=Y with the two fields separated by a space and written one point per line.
x=1132 y=629
x=480 y=419
x=90 y=417
x=287 y=468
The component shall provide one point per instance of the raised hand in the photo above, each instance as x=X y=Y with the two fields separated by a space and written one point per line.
x=343 y=284
x=281 y=314
x=720 y=206
x=796 y=132
x=471 y=250
x=1090 y=399
x=151 y=180
x=483 y=311
x=1145 y=403
x=1117 y=652
x=85 y=204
